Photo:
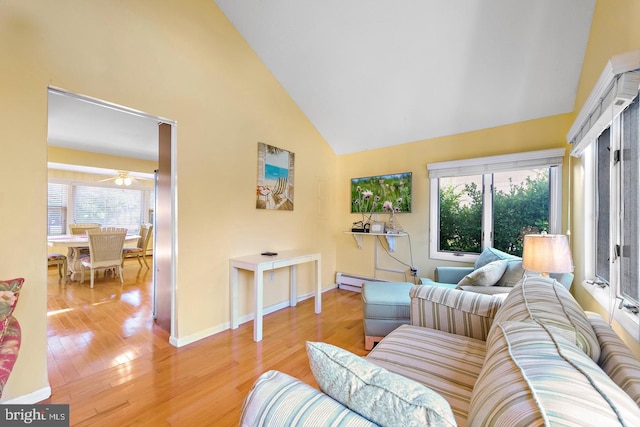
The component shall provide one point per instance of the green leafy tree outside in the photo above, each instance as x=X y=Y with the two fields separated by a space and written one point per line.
x=460 y=223
x=522 y=209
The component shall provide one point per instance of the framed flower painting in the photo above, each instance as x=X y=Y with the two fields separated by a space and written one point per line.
x=382 y=193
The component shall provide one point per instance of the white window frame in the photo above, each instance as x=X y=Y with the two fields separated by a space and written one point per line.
x=606 y=296
x=487 y=166
x=615 y=89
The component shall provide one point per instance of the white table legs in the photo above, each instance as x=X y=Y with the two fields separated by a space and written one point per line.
x=318 y=288
x=293 y=299
x=258 y=297
x=233 y=289
x=259 y=266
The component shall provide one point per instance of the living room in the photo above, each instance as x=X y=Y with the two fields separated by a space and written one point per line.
x=186 y=62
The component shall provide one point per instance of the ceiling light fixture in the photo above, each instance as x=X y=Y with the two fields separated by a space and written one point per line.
x=123 y=178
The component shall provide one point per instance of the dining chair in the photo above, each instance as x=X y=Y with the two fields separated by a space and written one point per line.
x=105 y=251
x=82 y=227
x=140 y=251
x=60 y=260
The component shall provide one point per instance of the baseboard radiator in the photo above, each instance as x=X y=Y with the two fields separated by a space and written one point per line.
x=352 y=282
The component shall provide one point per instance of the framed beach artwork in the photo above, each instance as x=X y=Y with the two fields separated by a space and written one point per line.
x=275 y=178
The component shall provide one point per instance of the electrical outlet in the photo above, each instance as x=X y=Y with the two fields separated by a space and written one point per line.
x=414 y=271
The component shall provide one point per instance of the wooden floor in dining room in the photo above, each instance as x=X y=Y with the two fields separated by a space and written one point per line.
x=114 y=366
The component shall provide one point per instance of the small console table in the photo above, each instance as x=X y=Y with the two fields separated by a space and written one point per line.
x=261 y=263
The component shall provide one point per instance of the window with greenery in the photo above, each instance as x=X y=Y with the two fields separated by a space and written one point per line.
x=460 y=213
x=496 y=208
x=520 y=206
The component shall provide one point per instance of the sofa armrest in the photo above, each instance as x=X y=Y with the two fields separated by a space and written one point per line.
x=451 y=274
x=615 y=357
x=279 y=400
x=452 y=310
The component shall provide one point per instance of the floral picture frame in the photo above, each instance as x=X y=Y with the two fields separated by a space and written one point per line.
x=379 y=194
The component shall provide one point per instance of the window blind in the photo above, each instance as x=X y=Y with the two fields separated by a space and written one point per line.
x=493 y=164
x=603 y=205
x=57 y=197
x=615 y=89
x=630 y=259
x=110 y=207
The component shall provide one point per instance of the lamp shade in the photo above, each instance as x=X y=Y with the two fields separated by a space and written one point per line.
x=547 y=253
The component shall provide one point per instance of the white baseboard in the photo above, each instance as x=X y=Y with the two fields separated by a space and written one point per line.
x=179 y=342
x=351 y=288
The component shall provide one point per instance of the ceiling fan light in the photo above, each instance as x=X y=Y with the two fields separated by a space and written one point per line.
x=120 y=181
x=127 y=181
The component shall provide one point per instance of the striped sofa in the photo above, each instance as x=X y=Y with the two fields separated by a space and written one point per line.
x=532 y=358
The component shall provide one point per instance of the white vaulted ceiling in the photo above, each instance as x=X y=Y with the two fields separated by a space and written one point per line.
x=373 y=73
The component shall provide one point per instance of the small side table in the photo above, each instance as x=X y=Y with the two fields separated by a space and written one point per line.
x=261 y=263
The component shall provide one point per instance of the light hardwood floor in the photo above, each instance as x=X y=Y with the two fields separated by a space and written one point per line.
x=115 y=367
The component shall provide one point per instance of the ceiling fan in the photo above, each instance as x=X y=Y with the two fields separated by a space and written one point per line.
x=123 y=178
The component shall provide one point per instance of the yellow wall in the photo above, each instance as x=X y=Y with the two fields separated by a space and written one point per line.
x=525 y=136
x=614 y=30
x=176 y=59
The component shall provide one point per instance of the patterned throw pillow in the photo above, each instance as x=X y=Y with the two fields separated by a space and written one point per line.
x=487 y=275
x=514 y=271
x=9 y=293
x=381 y=396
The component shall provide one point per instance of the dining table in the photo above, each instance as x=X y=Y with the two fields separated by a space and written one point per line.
x=74 y=244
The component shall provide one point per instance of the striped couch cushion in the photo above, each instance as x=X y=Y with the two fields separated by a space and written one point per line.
x=453 y=310
x=386 y=398
x=446 y=363
x=278 y=400
x=531 y=377
x=548 y=303
x=616 y=359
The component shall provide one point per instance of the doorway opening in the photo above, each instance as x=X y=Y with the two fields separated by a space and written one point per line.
x=87 y=133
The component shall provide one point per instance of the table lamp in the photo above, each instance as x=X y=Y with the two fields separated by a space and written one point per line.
x=547 y=253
